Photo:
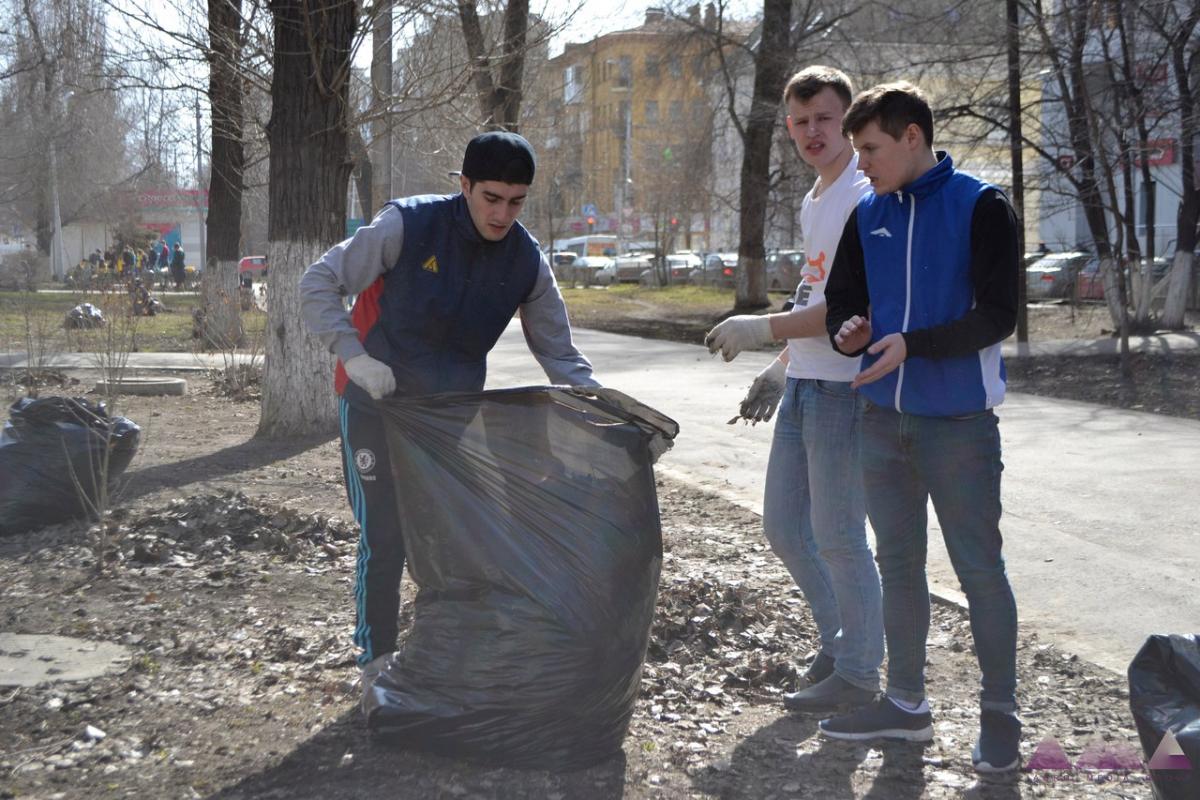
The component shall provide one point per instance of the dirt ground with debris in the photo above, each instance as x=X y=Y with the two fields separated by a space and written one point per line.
x=231 y=583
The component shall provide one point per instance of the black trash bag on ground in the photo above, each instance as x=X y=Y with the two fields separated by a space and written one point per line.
x=1164 y=695
x=47 y=441
x=531 y=524
x=84 y=316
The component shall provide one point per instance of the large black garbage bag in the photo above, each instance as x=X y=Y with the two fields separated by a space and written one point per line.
x=531 y=524
x=1164 y=695
x=46 y=446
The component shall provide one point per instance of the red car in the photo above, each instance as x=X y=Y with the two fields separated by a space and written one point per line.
x=252 y=267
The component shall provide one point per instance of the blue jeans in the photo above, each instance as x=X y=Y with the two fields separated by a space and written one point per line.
x=815 y=520
x=955 y=461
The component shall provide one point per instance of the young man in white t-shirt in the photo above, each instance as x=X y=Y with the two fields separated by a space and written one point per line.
x=813 y=510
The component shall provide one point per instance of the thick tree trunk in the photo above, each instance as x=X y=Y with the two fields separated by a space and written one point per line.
x=220 y=300
x=309 y=170
x=770 y=74
x=381 y=127
x=510 y=90
x=1179 y=286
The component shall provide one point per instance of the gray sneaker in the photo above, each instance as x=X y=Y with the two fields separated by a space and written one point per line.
x=820 y=668
x=832 y=694
x=882 y=719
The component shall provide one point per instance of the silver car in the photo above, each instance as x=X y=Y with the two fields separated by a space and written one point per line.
x=1053 y=275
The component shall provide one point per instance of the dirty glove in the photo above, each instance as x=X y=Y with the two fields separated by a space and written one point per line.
x=374 y=376
x=743 y=332
x=765 y=393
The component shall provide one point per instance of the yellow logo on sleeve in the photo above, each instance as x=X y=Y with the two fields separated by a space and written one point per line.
x=430 y=265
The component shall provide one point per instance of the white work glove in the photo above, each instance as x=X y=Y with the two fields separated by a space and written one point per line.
x=374 y=376
x=764 y=395
x=743 y=332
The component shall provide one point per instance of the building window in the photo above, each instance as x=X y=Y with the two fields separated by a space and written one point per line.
x=675 y=67
x=676 y=111
x=651 y=112
x=699 y=112
x=699 y=65
x=573 y=84
x=652 y=66
x=625 y=72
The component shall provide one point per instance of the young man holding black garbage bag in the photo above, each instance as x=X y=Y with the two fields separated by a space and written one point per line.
x=437 y=279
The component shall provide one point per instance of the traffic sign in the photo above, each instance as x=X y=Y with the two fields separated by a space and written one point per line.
x=589 y=209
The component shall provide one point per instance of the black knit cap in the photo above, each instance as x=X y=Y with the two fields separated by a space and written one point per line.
x=499 y=156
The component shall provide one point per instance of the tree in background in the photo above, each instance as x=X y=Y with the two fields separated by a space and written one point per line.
x=220 y=300
x=309 y=171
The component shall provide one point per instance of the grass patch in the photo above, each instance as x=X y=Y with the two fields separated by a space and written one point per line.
x=631 y=298
x=162 y=333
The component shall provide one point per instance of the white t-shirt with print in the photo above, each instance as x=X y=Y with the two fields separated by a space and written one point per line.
x=822 y=217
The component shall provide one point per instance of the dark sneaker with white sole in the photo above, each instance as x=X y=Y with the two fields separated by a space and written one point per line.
x=999 y=745
x=820 y=668
x=832 y=694
x=882 y=719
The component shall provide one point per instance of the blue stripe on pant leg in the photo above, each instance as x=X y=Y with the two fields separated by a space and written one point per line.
x=362 y=631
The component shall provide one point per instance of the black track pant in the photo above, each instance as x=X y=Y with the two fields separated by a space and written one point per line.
x=380 y=561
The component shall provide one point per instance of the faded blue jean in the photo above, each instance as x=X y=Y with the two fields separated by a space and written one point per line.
x=955 y=461
x=815 y=520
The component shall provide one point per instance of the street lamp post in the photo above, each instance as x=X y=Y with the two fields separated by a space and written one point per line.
x=58 y=257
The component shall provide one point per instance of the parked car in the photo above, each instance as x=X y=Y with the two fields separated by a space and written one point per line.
x=681 y=265
x=1054 y=275
x=594 y=270
x=719 y=269
x=1089 y=284
x=562 y=263
x=252 y=268
x=629 y=268
x=784 y=269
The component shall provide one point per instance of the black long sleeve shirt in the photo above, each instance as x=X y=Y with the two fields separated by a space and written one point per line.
x=994 y=276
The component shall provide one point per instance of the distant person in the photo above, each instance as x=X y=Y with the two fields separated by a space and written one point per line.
x=813 y=512
x=178 y=271
x=924 y=289
x=164 y=255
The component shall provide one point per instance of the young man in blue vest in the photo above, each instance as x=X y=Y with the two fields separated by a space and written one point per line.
x=438 y=278
x=924 y=288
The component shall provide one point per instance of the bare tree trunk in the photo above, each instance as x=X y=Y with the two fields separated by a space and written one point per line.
x=1017 y=157
x=220 y=300
x=1174 y=311
x=770 y=74
x=499 y=100
x=381 y=126
x=309 y=170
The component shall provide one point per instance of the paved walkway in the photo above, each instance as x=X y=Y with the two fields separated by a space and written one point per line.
x=1102 y=531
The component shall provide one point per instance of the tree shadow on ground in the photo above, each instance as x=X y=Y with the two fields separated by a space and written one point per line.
x=250 y=454
x=768 y=764
x=343 y=761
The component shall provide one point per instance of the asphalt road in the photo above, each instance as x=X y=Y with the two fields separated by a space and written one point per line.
x=1101 y=526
